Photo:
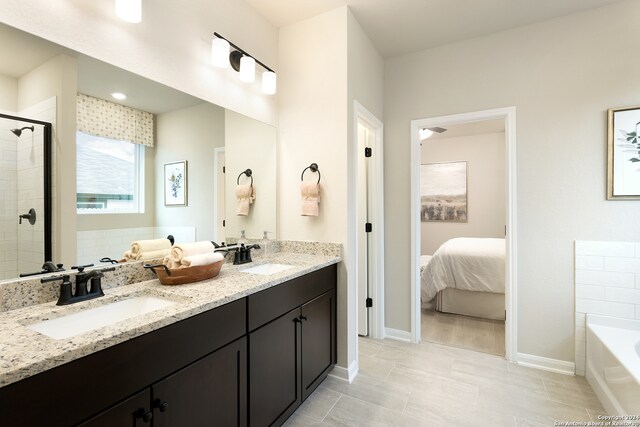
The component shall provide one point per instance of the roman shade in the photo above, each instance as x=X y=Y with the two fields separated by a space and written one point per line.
x=106 y=119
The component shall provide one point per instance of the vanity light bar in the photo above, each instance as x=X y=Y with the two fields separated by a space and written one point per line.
x=220 y=57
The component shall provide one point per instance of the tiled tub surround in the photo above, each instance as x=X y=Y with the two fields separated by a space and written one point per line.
x=607 y=282
x=24 y=353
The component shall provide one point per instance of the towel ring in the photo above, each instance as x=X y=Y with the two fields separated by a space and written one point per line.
x=314 y=168
x=248 y=173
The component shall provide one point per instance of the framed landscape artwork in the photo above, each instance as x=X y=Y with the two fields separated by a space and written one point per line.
x=623 y=159
x=175 y=184
x=443 y=192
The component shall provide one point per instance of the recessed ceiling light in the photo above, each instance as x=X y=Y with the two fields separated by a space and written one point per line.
x=118 y=95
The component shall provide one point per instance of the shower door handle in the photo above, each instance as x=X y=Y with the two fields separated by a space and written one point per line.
x=31 y=216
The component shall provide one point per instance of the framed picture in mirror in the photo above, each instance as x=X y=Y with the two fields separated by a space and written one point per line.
x=175 y=183
x=623 y=159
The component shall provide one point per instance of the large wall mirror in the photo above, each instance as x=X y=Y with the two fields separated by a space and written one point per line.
x=158 y=162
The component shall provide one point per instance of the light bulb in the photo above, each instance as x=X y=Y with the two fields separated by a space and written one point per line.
x=247 y=69
x=129 y=10
x=220 y=53
x=425 y=133
x=269 y=82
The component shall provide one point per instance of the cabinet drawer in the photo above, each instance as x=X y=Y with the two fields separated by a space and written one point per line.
x=271 y=303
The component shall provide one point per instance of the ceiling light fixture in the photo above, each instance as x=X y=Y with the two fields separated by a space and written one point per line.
x=119 y=96
x=242 y=62
x=129 y=10
x=427 y=132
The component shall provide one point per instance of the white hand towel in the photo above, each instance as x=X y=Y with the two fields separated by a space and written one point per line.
x=169 y=263
x=146 y=255
x=149 y=245
x=201 y=259
x=245 y=195
x=182 y=250
x=310 y=192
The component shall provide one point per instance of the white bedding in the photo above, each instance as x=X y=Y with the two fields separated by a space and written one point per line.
x=473 y=264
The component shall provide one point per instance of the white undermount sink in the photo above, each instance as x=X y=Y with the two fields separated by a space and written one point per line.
x=267 y=269
x=94 y=318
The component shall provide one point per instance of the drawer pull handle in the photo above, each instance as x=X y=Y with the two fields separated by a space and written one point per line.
x=162 y=406
x=144 y=415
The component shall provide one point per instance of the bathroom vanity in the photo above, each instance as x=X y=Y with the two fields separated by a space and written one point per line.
x=247 y=350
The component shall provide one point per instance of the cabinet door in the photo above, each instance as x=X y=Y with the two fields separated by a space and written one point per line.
x=133 y=412
x=318 y=341
x=274 y=366
x=211 y=391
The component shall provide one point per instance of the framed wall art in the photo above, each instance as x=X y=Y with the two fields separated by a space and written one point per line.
x=175 y=184
x=623 y=159
x=443 y=192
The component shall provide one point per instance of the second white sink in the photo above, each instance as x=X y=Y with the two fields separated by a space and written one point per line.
x=267 y=269
x=105 y=315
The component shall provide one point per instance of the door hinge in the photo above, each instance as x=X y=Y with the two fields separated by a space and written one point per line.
x=224 y=223
x=369 y=303
x=368 y=227
x=224 y=169
x=367 y=151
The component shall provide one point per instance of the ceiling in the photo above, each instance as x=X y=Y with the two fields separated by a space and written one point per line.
x=397 y=27
x=470 y=128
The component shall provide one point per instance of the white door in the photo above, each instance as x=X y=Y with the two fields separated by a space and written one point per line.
x=220 y=196
x=365 y=136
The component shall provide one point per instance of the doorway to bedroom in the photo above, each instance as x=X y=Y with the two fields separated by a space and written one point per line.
x=462 y=182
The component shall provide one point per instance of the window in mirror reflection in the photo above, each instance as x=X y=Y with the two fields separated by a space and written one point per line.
x=109 y=175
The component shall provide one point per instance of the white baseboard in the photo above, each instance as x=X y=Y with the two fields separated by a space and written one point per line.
x=344 y=373
x=546 y=364
x=397 y=334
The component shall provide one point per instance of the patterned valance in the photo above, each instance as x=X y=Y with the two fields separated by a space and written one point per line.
x=106 y=119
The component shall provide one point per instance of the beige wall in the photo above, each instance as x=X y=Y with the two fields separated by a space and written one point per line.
x=172 y=44
x=312 y=100
x=250 y=144
x=486 y=186
x=334 y=63
x=562 y=75
x=8 y=93
x=57 y=77
x=189 y=134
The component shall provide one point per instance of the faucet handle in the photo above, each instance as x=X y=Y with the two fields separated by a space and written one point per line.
x=64 y=278
x=81 y=268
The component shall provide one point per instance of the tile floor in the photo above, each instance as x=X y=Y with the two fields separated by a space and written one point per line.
x=427 y=384
x=472 y=333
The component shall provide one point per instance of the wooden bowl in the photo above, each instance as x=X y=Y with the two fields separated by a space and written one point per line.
x=181 y=276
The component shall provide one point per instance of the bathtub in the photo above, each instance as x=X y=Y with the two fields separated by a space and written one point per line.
x=613 y=363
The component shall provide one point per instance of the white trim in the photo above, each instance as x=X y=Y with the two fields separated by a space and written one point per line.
x=511 y=296
x=397 y=334
x=345 y=374
x=216 y=151
x=376 y=216
x=546 y=364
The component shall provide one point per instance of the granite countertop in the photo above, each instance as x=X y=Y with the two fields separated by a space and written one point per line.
x=24 y=352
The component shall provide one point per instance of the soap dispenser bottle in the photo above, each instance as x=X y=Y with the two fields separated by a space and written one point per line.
x=265 y=245
x=242 y=240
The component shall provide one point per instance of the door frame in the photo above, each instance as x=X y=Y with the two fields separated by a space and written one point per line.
x=511 y=288
x=216 y=166
x=376 y=216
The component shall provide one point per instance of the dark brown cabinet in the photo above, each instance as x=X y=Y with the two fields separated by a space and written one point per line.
x=291 y=355
x=211 y=391
x=252 y=361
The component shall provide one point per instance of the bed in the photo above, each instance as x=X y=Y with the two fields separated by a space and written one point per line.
x=466 y=276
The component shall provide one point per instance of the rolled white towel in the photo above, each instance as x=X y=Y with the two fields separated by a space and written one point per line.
x=149 y=245
x=187 y=249
x=201 y=259
x=153 y=254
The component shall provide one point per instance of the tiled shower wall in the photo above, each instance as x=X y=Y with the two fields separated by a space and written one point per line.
x=8 y=208
x=30 y=186
x=96 y=244
x=607 y=282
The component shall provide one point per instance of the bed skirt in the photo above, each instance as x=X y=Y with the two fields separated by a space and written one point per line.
x=469 y=303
